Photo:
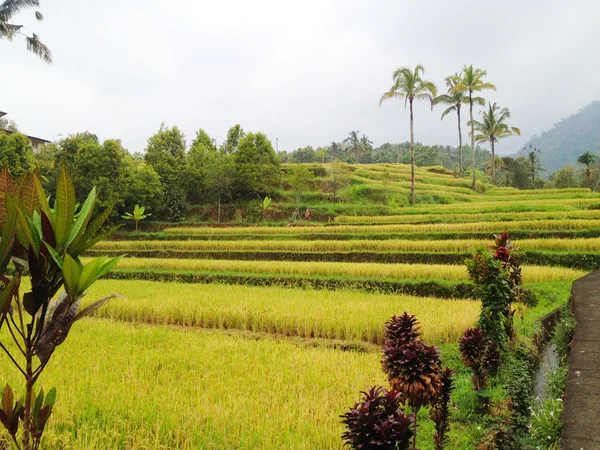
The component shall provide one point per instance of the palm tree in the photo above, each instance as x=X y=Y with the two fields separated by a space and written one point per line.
x=492 y=128
x=470 y=81
x=534 y=163
x=353 y=142
x=588 y=159
x=409 y=86
x=8 y=10
x=455 y=100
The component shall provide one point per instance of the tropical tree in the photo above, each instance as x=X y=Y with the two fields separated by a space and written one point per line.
x=470 y=81
x=409 y=85
x=535 y=165
x=8 y=10
x=492 y=128
x=455 y=100
x=353 y=143
x=139 y=213
x=588 y=159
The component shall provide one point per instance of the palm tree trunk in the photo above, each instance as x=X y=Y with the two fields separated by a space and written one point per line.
x=460 y=142
x=493 y=161
x=412 y=157
x=472 y=138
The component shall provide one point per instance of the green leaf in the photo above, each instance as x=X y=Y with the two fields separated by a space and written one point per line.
x=82 y=244
x=41 y=194
x=37 y=408
x=84 y=217
x=71 y=273
x=94 y=270
x=55 y=256
x=5 y=299
x=50 y=398
x=98 y=238
x=28 y=195
x=8 y=232
x=23 y=230
x=64 y=207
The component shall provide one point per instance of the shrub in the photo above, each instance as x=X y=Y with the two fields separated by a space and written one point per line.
x=472 y=348
x=546 y=423
x=377 y=422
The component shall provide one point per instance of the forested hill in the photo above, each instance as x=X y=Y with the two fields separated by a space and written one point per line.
x=563 y=143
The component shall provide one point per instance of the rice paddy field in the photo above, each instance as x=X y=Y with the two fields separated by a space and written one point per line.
x=259 y=336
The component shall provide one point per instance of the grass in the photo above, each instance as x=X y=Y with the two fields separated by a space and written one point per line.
x=126 y=386
x=344 y=315
x=531 y=274
x=556 y=224
x=581 y=244
x=468 y=217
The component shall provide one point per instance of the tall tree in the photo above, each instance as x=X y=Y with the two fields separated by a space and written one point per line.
x=234 y=136
x=257 y=167
x=588 y=159
x=353 y=144
x=220 y=179
x=165 y=152
x=200 y=150
x=492 y=128
x=8 y=10
x=470 y=81
x=16 y=153
x=455 y=100
x=409 y=85
x=535 y=164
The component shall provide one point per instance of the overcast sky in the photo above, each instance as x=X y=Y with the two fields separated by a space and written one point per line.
x=306 y=72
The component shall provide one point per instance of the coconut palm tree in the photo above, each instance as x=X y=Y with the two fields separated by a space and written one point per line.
x=588 y=159
x=492 y=128
x=353 y=144
x=409 y=85
x=8 y=10
x=470 y=81
x=455 y=100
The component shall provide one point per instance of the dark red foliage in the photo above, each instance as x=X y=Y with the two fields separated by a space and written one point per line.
x=472 y=348
x=502 y=254
x=377 y=422
x=413 y=369
x=440 y=413
x=492 y=357
x=402 y=330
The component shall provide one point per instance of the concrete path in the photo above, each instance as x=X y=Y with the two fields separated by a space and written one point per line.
x=581 y=417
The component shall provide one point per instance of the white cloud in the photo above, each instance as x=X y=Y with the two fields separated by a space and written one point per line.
x=304 y=72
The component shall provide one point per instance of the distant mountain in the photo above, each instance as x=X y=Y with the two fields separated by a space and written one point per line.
x=568 y=139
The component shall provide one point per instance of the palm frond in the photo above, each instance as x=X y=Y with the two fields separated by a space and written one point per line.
x=9 y=8
x=480 y=101
x=448 y=111
x=8 y=30
x=390 y=95
x=39 y=16
x=38 y=48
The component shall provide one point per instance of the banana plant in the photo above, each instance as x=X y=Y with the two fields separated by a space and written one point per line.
x=138 y=214
x=43 y=243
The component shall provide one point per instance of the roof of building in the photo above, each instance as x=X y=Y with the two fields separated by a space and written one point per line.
x=2 y=113
x=33 y=138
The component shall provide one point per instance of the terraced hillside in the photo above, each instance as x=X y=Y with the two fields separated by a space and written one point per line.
x=259 y=337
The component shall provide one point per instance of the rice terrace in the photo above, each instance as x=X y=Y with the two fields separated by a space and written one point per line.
x=163 y=293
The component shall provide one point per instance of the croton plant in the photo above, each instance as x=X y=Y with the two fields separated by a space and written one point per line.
x=43 y=244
